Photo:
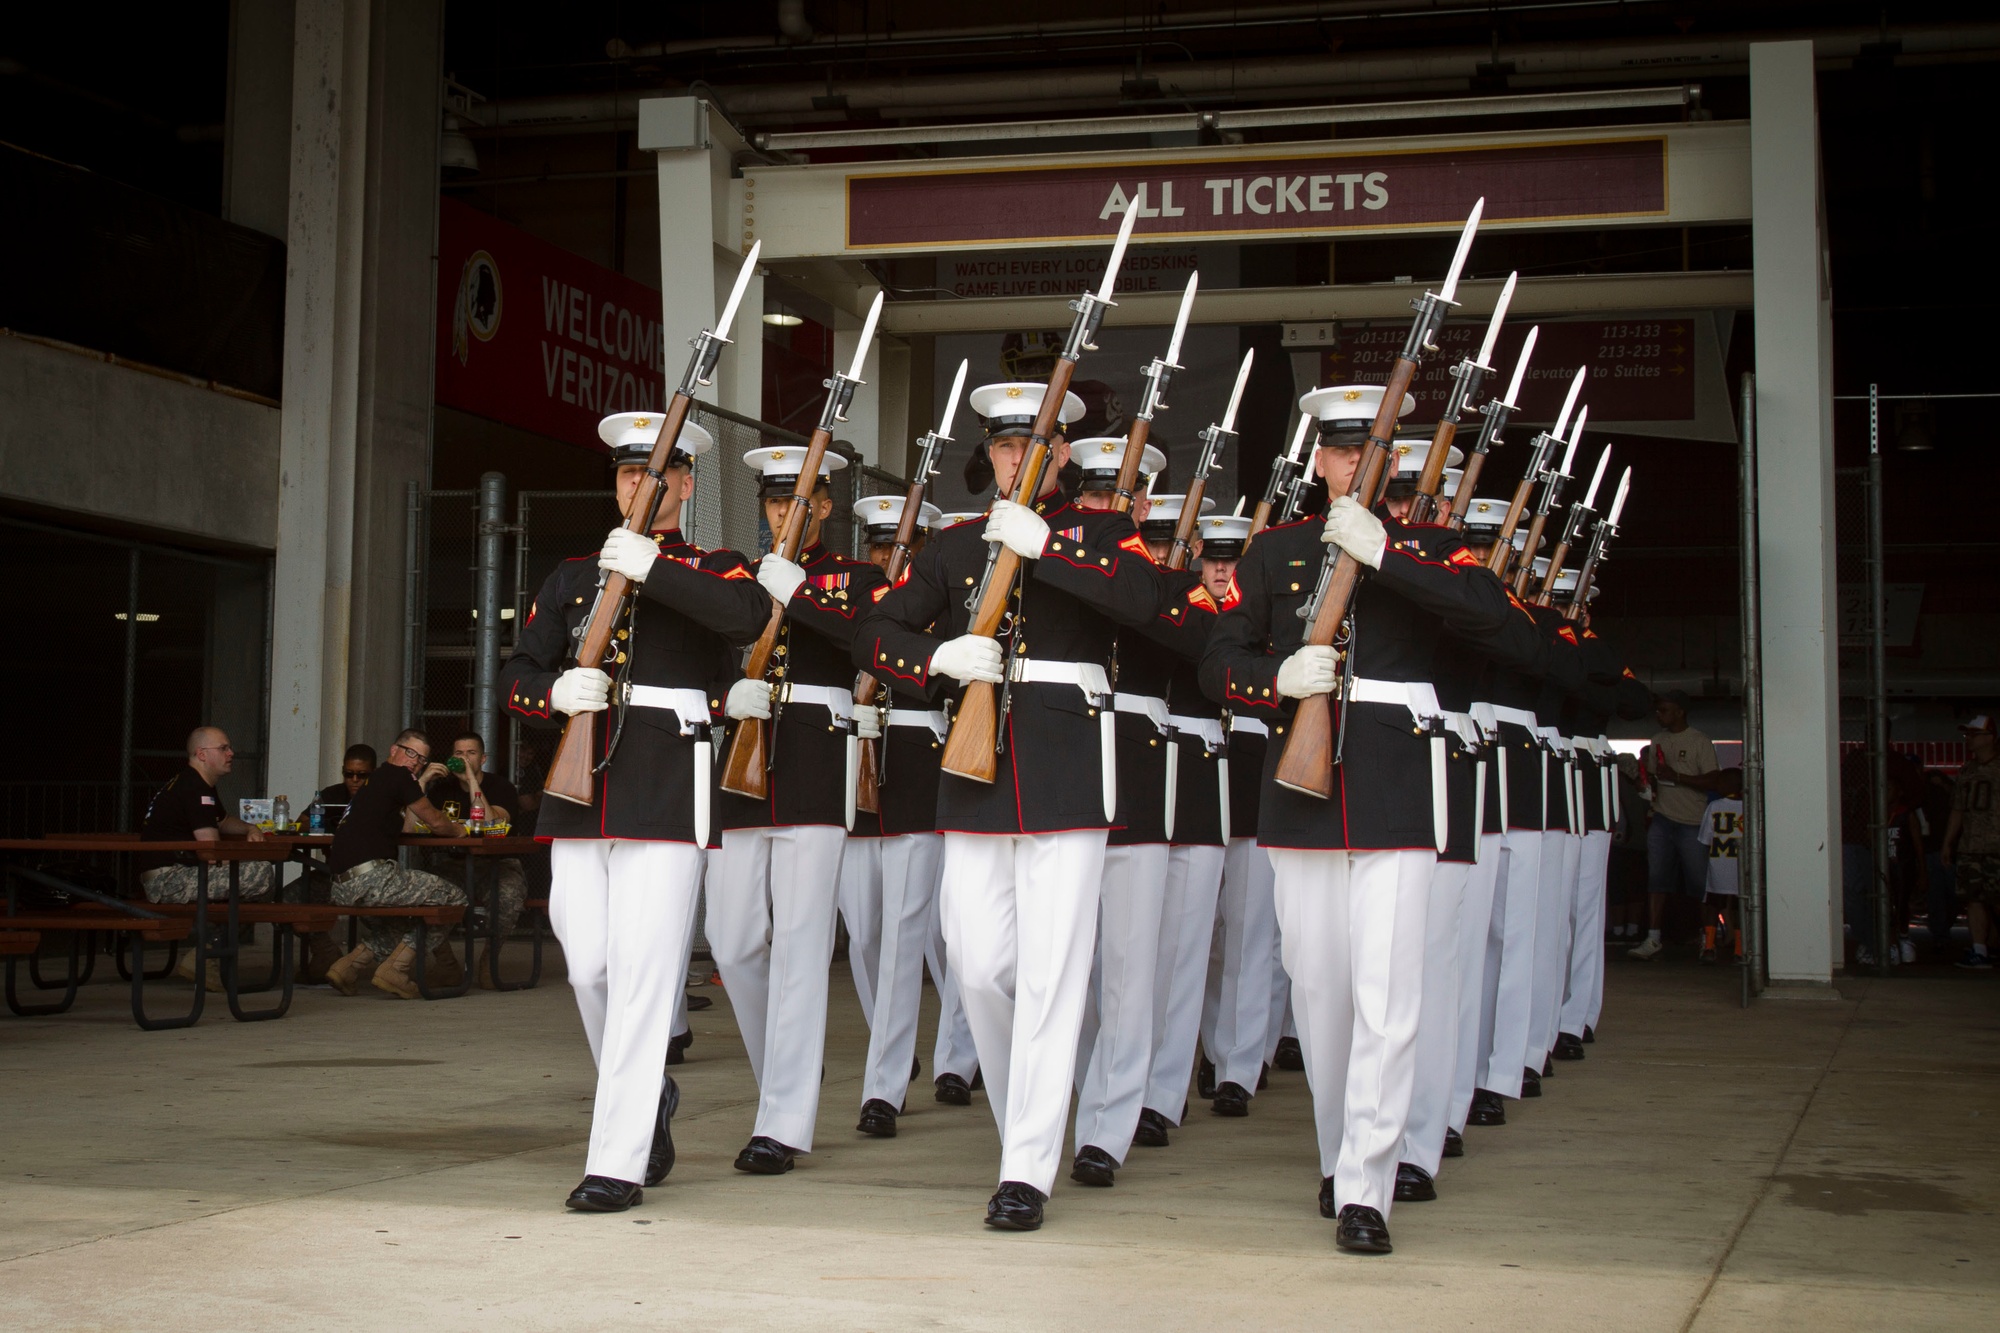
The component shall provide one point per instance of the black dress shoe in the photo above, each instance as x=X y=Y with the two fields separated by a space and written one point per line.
x=878 y=1119
x=978 y=1079
x=697 y=1003
x=1531 y=1083
x=1326 y=1208
x=1362 y=1231
x=1263 y=1078
x=660 y=1158
x=1488 y=1108
x=1093 y=1166
x=1231 y=1100
x=1454 y=1143
x=1152 y=1130
x=1289 y=1056
x=677 y=1048
x=764 y=1157
x=1204 y=1079
x=916 y=1065
x=602 y=1194
x=953 y=1090
x=1414 y=1184
x=1015 y=1207
x=1589 y=1035
x=1548 y=1067
x=1568 y=1047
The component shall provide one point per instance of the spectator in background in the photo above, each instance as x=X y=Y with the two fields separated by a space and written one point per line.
x=1681 y=767
x=1722 y=835
x=1933 y=817
x=1972 y=838
x=355 y=767
x=188 y=809
x=496 y=795
x=366 y=872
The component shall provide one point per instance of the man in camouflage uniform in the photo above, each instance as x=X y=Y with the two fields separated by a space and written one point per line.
x=1972 y=837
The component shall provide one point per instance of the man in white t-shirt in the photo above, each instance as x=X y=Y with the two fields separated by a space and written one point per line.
x=1722 y=835
x=1681 y=771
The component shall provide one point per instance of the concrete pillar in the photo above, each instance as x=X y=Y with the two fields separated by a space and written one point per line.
x=354 y=427
x=1795 y=513
x=257 y=126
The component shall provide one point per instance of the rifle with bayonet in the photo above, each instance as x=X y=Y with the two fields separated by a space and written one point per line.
x=865 y=781
x=972 y=750
x=1581 y=515
x=1466 y=377
x=1212 y=441
x=746 y=769
x=1158 y=372
x=1310 y=753
x=1283 y=492
x=1493 y=419
x=1600 y=541
x=574 y=768
x=1553 y=482
x=1539 y=449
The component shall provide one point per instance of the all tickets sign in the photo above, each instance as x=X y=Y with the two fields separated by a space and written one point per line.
x=536 y=337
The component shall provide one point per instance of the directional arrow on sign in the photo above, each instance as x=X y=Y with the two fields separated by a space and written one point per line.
x=1677 y=370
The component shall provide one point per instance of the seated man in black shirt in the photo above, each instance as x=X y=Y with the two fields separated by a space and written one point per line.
x=471 y=788
x=187 y=809
x=355 y=767
x=366 y=872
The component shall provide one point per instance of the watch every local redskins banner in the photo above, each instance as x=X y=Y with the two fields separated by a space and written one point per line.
x=536 y=337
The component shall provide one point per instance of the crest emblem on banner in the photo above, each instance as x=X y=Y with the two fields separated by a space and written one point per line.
x=476 y=314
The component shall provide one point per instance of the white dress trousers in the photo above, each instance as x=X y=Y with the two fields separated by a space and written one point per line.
x=1510 y=965
x=1187 y=930
x=771 y=905
x=1475 y=916
x=622 y=911
x=1020 y=920
x=1353 y=930
x=909 y=875
x=1584 y=995
x=1114 y=1052
x=1437 y=1024
x=861 y=909
x=1241 y=1018
x=953 y=1051
x=1552 y=912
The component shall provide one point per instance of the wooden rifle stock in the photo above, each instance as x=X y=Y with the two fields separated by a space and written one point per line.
x=1182 y=550
x=1423 y=505
x=1526 y=569
x=1450 y=511
x=1307 y=762
x=572 y=772
x=1557 y=559
x=868 y=782
x=971 y=750
x=1260 y=518
x=1128 y=467
x=744 y=765
x=1503 y=546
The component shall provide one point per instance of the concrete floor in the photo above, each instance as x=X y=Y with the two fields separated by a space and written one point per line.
x=373 y=1163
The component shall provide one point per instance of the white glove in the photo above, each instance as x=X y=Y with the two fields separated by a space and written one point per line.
x=580 y=690
x=748 y=698
x=1018 y=528
x=868 y=723
x=969 y=657
x=780 y=577
x=1356 y=531
x=1310 y=670
x=629 y=553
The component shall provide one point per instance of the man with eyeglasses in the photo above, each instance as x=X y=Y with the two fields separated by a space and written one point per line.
x=367 y=873
x=188 y=809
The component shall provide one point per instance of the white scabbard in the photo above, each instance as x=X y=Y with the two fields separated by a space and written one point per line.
x=1107 y=751
x=1440 y=798
x=1479 y=808
x=853 y=773
x=1222 y=784
x=704 y=758
x=1607 y=794
x=1173 y=783
x=1569 y=794
x=1542 y=815
x=1500 y=753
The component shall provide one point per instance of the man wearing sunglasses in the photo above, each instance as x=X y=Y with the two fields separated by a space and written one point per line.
x=188 y=809
x=356 y=766
x=367 y=873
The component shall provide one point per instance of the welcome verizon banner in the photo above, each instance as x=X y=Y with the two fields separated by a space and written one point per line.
x=1323 y=191
x=536 y=337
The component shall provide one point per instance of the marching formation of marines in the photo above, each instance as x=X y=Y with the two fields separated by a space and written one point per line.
x=1155 y=794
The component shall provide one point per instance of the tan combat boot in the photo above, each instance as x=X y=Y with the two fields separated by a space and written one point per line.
x=184 y=969
x=350 y=970
x=446 y=968
x=317 y=955
x=484 y=973
x=394 y=973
